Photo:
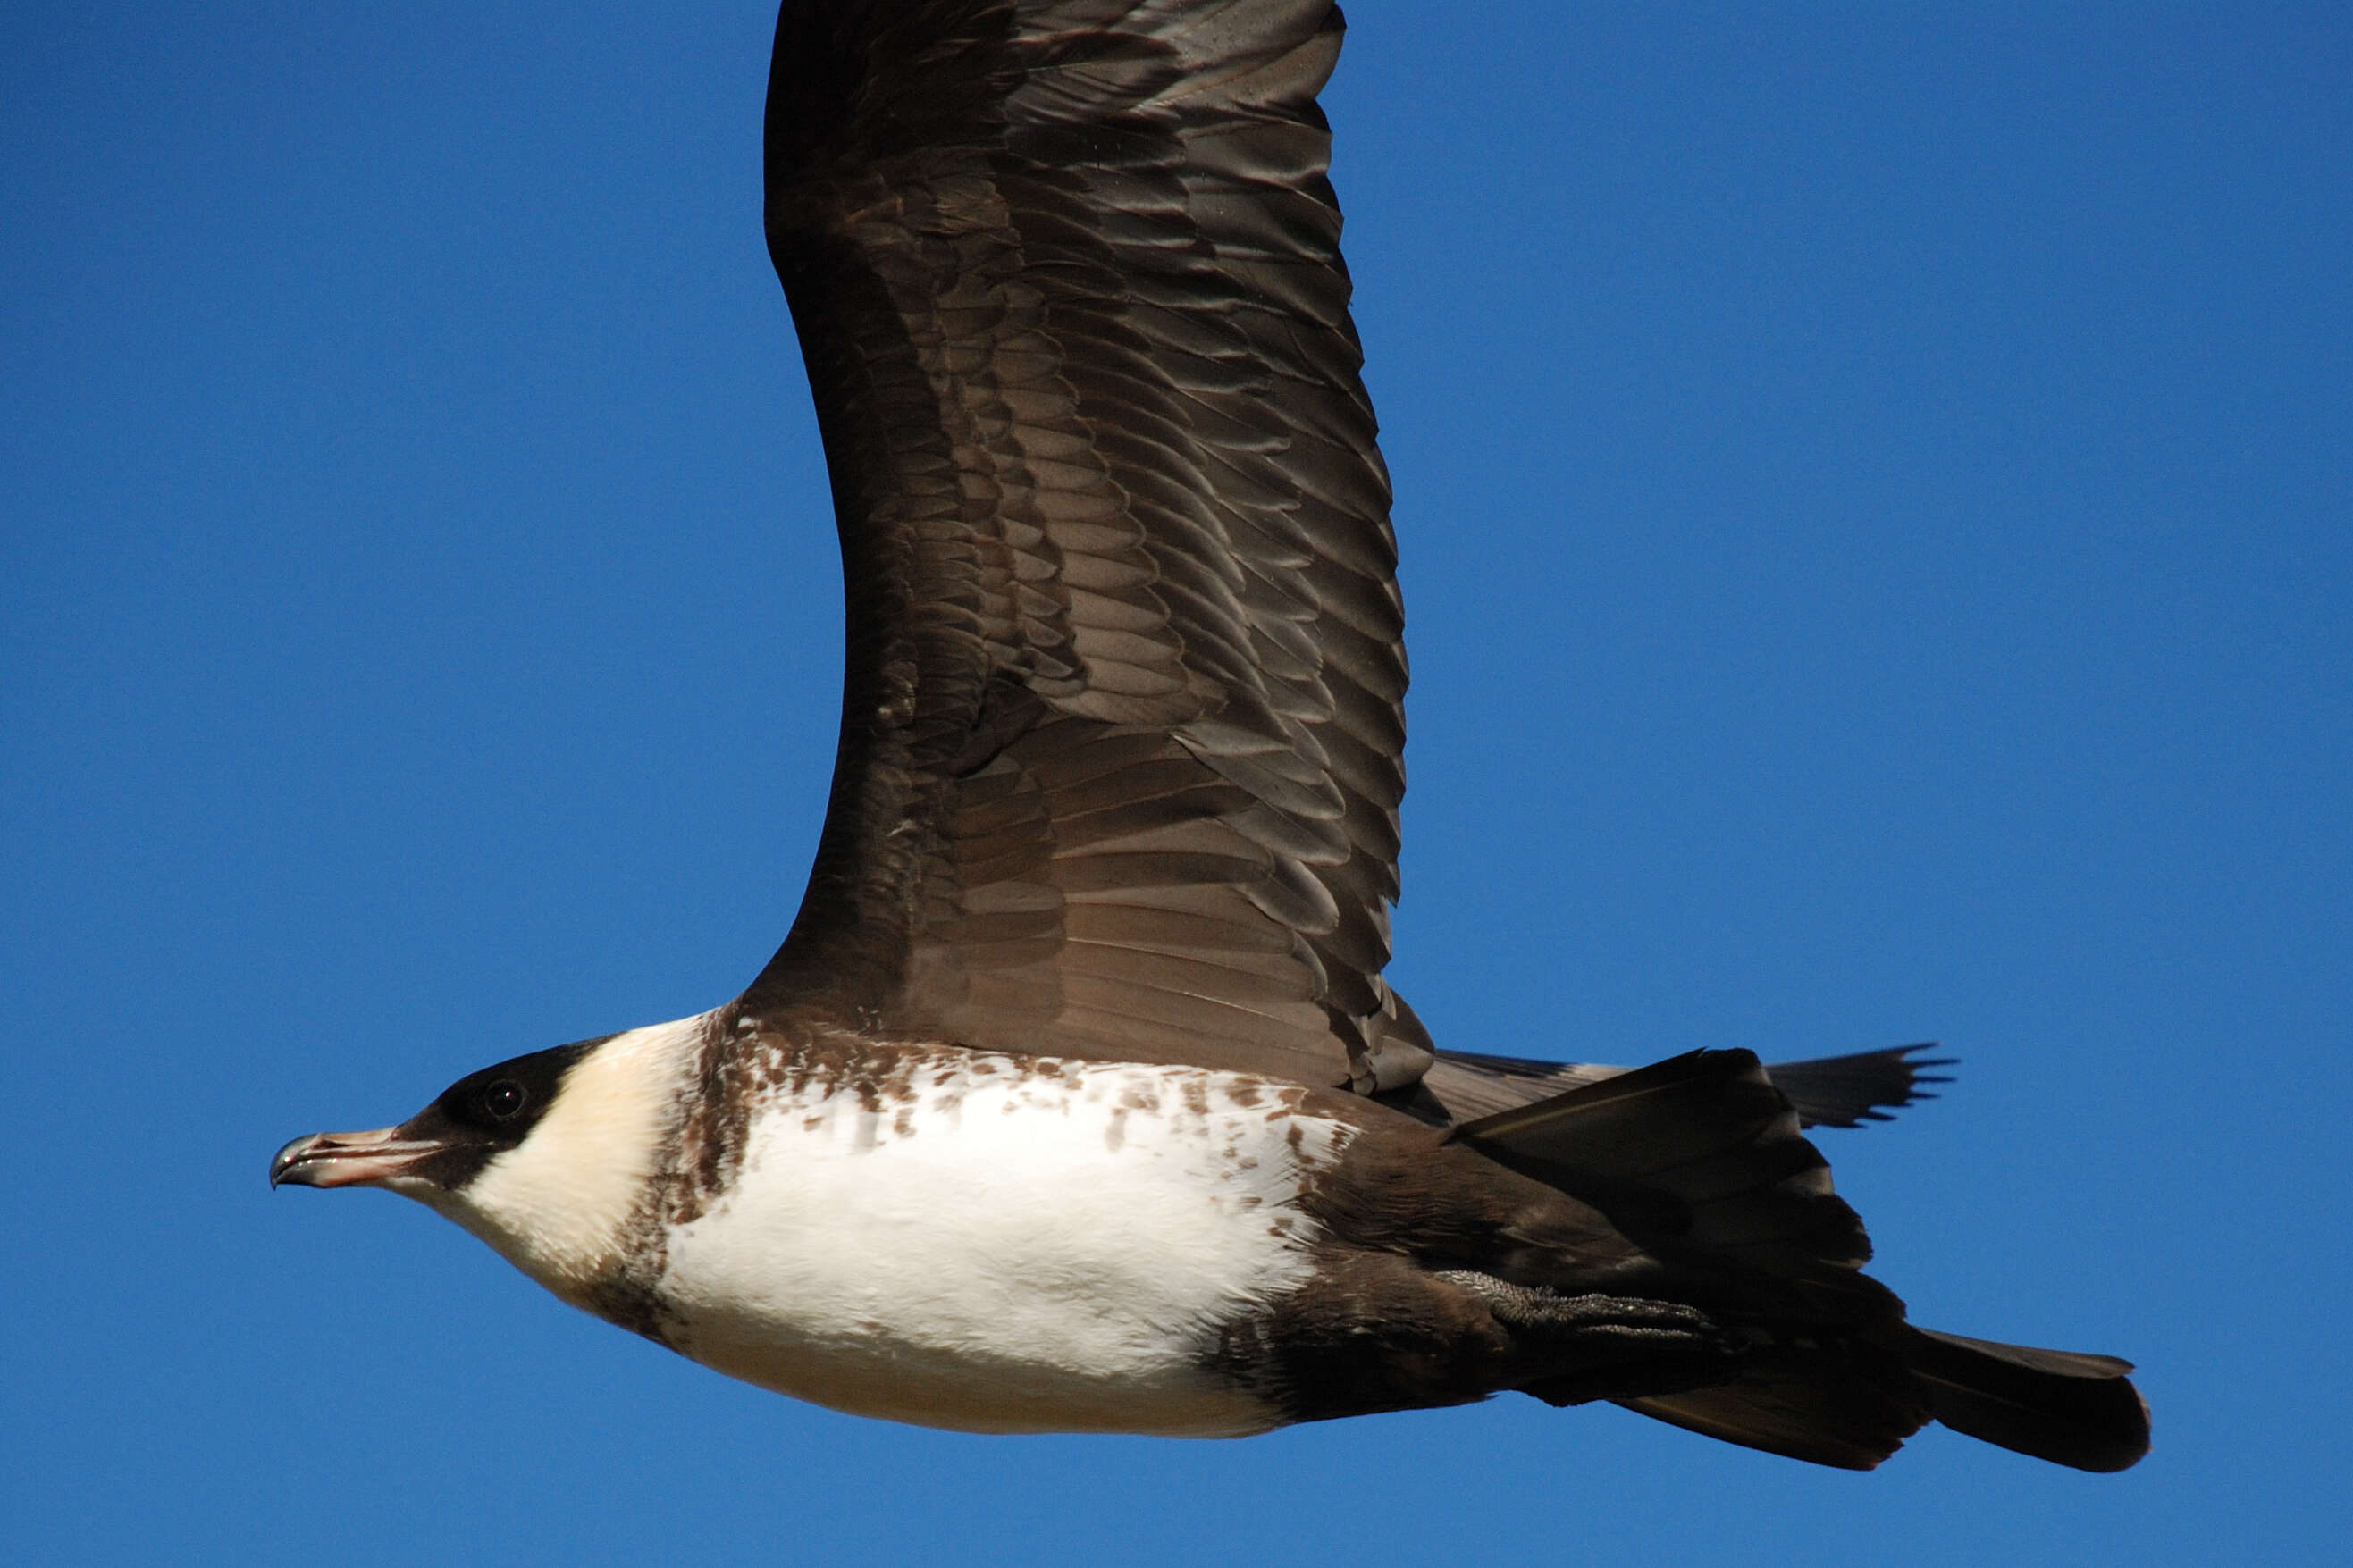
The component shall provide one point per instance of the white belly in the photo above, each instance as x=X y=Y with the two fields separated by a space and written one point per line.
x=1021 y=1245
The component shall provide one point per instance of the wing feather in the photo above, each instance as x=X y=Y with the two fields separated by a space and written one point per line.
x=1120 y=749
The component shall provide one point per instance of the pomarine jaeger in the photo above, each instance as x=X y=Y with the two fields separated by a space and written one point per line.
x=1074 y=1100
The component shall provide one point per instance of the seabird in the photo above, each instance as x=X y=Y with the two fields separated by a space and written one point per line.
x=1074 y=1100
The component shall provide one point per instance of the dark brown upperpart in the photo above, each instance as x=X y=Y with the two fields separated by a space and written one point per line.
x=1119 y=762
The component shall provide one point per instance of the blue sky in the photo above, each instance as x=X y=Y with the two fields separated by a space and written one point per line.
x=1874 y=491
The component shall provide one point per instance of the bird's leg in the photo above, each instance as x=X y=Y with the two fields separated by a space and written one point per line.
x=1595 y=1346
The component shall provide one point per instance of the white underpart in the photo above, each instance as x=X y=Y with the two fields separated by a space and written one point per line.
x=1023 y=1245
x=558 y=1206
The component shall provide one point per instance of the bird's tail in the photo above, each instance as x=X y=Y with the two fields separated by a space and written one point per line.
x=1852 y=1405
x=2062 y=1406
x=1700 y=1159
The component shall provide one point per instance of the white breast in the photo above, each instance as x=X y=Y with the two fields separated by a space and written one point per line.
x=1020 y=1244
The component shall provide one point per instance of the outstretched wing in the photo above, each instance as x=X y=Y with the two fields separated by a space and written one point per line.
x=1120 y=731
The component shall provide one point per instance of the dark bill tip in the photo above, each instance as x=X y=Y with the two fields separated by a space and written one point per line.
x=348 y=1159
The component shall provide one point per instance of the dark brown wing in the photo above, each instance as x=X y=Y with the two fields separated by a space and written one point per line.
x=1120 y=734
x=1825 y=1091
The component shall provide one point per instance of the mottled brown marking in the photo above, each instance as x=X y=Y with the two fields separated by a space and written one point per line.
x=747 y=1063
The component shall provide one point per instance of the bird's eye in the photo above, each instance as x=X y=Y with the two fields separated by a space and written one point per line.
x=503 y=1099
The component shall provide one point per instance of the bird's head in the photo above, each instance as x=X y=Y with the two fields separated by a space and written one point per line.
x=547 y=1157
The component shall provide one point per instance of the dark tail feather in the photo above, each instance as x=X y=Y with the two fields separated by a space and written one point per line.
x=1849 y=1405
x=1832 y=1404
x=2060 y=1406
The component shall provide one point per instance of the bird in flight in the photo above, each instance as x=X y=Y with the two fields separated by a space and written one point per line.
x=1075 y=1101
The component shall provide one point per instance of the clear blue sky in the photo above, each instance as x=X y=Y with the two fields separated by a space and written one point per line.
x=1874 y=486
